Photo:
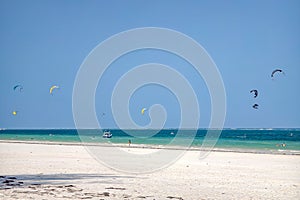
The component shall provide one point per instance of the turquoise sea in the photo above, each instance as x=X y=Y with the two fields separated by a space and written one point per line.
x=256 y=139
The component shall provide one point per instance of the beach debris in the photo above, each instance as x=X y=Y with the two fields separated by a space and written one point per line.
x=18 y=87
x=69 y=186
x=276 y=71
x=126 y=196
x=143 y=110
x=171 y=197
x=68 y=191
x=115 y=188
x=255 y=106
x=255 y=93
x=106 y=194
x=37 y=184
x=52 y=88
x=7 y=181
x=143 y=197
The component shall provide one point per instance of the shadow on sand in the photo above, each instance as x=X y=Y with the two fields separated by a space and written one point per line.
x=55 y=179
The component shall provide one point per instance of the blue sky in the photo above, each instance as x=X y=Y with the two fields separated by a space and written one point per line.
x=43 y=43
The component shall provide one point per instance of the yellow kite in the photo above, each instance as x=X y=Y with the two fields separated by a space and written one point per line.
x=143 y=110
x=52 y=88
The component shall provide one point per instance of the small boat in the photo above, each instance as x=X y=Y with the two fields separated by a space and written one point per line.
x=107 y=134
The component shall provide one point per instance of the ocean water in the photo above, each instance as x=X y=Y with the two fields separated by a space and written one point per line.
x=261 y=139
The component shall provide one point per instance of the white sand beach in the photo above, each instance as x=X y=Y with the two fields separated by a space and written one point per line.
x=41 y=171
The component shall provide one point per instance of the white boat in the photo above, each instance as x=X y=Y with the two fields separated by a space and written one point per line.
x=107 y=134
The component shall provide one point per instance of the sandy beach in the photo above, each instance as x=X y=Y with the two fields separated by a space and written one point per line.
x=42 y=171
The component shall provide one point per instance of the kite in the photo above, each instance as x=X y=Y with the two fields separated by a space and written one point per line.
x=20 y=87
x=255 y=106
x=52 y=88
x=276 y=71
x=255 y=93
x=143 y=110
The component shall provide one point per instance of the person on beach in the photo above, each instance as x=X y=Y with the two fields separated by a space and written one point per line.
x=129 y=142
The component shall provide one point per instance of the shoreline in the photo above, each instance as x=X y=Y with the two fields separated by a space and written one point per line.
x=225 y=128
x=157 y=147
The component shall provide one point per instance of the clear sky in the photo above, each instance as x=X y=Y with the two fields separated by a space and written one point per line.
x=43 y=43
